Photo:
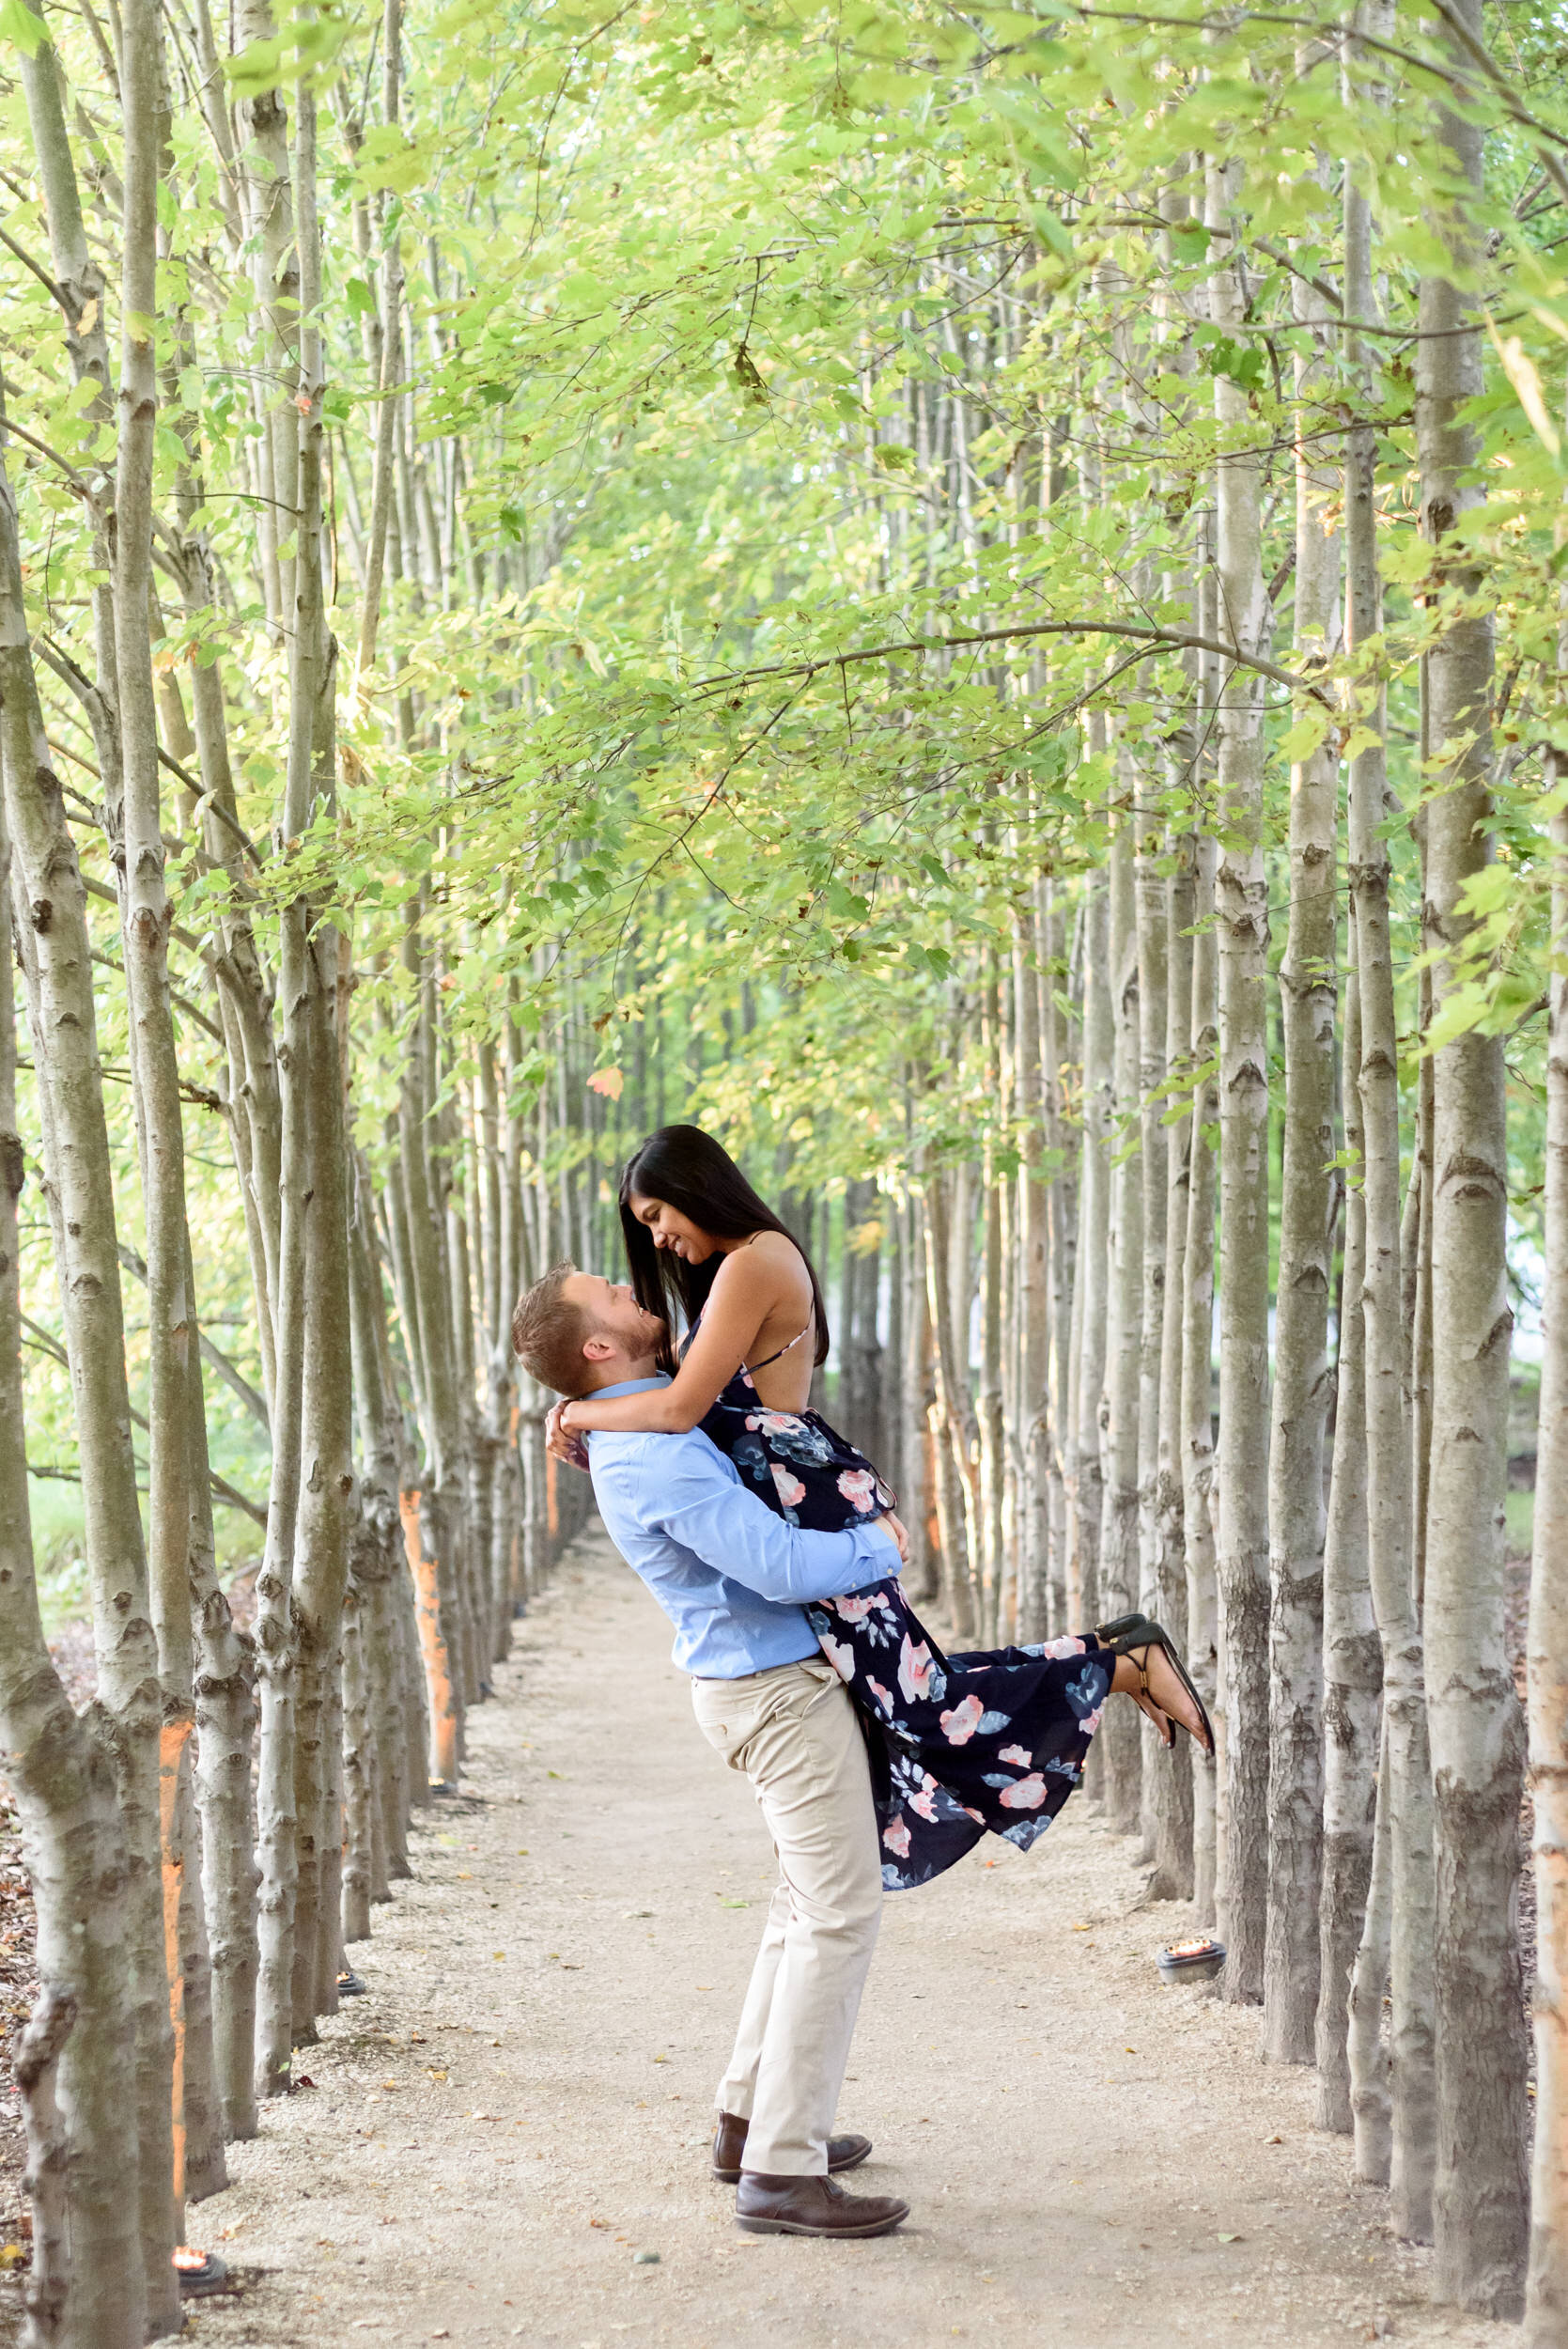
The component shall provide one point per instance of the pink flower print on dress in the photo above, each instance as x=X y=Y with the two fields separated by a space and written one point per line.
x=1028 y=1794
x=978 y=1816
x=1055 y=1649
x=1091 y=1721
x=839 y=1654
x=860 y=1486
x=896 y=1837
x=789 y=1488
x=772 y=1423
x=960 y=1726
x=858 y=1605
x=914 y=1670
x=1016 y=1753
x=924 y=1803
x=883 y=1696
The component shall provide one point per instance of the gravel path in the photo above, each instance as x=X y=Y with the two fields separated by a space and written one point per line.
x=515 y=2119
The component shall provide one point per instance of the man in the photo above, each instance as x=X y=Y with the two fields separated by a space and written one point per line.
x=734 y=1580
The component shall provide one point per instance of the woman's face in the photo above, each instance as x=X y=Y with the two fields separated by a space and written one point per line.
x=670 y=1229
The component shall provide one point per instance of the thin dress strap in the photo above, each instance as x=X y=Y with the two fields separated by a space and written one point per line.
x=752 y=1368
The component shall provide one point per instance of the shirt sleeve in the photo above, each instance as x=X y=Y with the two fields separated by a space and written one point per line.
x=707 y=1510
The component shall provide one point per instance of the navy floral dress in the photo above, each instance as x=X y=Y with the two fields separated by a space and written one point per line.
x=959 y=1745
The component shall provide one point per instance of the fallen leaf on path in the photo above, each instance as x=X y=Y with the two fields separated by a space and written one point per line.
x=662 y=2059
x=728 y=1903
x=1230 y=2238
x=1274 y=2140
x=644 y=2259
x=465 y=1876
x=431 y=2074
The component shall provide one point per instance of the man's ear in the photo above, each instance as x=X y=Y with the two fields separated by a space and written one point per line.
x=600 y=1349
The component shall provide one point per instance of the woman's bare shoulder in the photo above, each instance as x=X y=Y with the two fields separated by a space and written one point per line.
x=770 y=1260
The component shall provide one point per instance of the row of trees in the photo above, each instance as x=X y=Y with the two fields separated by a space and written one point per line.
x=557 y=573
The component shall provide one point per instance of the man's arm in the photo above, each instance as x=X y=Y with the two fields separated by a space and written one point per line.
x=683 y=1487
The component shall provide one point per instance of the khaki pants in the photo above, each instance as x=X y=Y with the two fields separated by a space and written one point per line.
x=794 y=1733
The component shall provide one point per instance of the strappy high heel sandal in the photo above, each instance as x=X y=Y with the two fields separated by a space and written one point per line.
x=1126 y=1635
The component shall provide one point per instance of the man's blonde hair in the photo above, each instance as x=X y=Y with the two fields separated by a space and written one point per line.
x=549 y=1332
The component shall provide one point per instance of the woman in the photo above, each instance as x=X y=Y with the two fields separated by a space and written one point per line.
x=958 y=1744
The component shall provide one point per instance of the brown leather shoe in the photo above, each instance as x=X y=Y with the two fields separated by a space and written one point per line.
x=765 y=2205
x=729 y=2145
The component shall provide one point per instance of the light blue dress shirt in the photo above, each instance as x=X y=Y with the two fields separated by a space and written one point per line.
x=729 y=1573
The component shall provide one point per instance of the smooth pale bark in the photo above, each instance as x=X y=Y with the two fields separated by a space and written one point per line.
x=989 y=1410
x=1404 y=1782
x=225 y=1694
x=1302 y=1379
x=1175 y=1782
x=1197 y=1373
x=56 y=952
x=1241 y=904
x=441 y=1557
x=1090 y=1284
x=1352 y=1655
x=1151 y=946
x=273 y=260
x=395 y=1690
x=1119 y=1734
x=325 y=1505
x=1061 y=1048
x=952 y=1414
x=917 y=1377
x=1370 y=2068
x=1480 y=2200
x=144 y=917
x=859 y=1353
x=390 y=368
x=1031 y=1423
x=1546 y=2291
x=75 y=2065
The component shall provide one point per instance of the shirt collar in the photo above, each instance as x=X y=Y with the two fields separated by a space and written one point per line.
x=625 y=1386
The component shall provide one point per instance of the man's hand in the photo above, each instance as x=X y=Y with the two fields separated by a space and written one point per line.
x=900 y=1534
x=560 y=1440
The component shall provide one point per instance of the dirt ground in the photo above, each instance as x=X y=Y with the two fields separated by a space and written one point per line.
x=506 y=2139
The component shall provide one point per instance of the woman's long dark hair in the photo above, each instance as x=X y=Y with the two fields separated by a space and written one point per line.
x=692 y=1174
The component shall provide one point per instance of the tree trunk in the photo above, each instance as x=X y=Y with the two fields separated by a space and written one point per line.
x=1121 y=1735
x=1404 y=1798
x=1301 y=1374
x=1352 y=1656
x=1151 y=897
x=1241 y=904
x=1091 y=1280
x=1197 y=1413
x=1546 y=2297
x=76 y=2064
x=1174 y=1785
x=952 y=1413
x=1480 y=2199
